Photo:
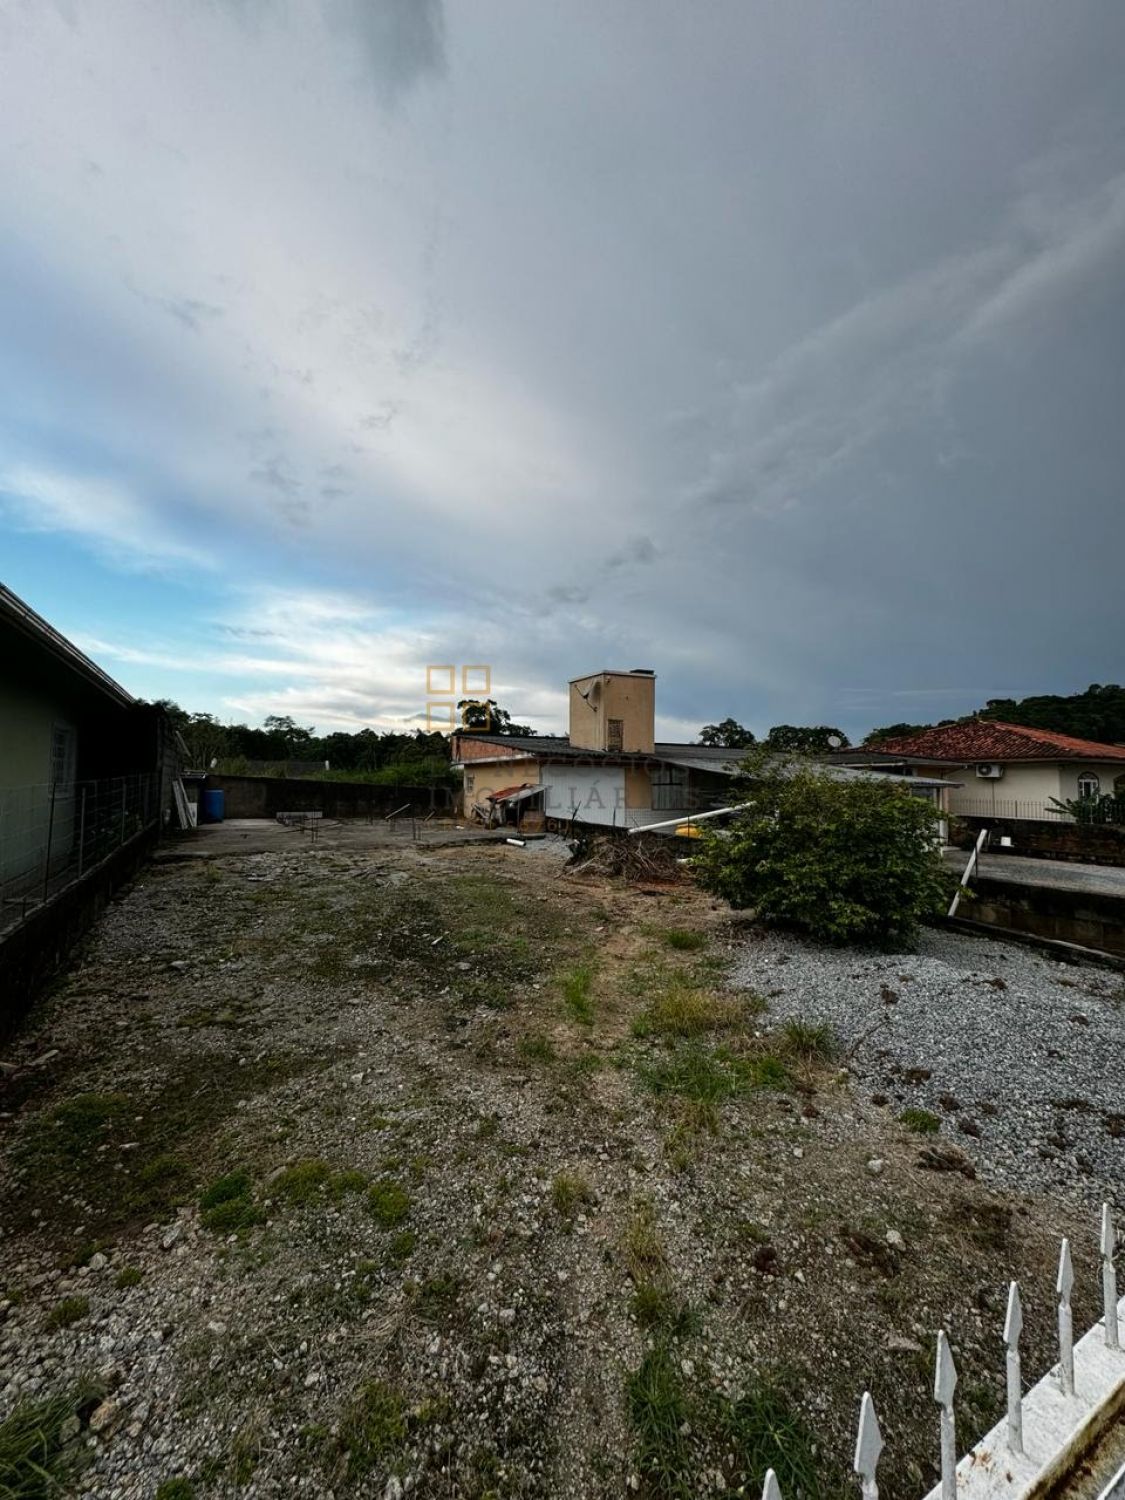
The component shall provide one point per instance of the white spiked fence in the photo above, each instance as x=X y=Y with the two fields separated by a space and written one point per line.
x=1044 y=1433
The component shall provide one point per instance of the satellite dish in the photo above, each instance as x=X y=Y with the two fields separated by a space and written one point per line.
x=835 y=742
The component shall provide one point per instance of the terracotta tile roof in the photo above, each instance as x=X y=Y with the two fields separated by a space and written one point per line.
x=987 y=739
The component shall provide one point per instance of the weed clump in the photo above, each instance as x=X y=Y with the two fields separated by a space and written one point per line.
x=922 y=1121
x=576 y=994
x=313 y=1180
x=684 y=940
x=388 y=1201
x=568 y=1191
x=807 y=1041
x=39 y=1451
x=228 y=1205
x=373 y=1428
x=67 y=1312
x=128 y=1276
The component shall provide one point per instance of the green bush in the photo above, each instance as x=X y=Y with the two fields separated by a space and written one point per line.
x=849 y=861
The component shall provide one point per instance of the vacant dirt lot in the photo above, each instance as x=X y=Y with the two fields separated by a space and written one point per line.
x=350 y=1171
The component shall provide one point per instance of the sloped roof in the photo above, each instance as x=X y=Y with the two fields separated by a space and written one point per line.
x=987 y=739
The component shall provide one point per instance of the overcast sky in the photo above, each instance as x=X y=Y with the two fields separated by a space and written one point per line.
x=777 y=347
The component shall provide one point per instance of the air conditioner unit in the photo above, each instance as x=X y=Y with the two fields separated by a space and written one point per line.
x=989 y=771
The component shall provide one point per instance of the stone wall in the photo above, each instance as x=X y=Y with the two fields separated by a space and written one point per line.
x=266 y=796
x=1091 y=921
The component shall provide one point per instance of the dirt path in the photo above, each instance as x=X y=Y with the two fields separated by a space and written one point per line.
x=435 y=1171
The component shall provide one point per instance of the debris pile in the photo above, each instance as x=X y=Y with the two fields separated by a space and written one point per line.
x=648 y=857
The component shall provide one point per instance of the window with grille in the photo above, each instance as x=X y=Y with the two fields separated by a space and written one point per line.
x=62 y=755
x=1088 y=784
x=669 y=788
x=615 y=734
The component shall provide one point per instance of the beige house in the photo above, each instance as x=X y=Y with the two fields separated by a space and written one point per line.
x=1003 y=770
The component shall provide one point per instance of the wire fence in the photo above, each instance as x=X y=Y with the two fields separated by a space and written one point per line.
x=52 y=835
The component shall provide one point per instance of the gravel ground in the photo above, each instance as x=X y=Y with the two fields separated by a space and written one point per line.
x=478 y=1212
x=1020 y=1056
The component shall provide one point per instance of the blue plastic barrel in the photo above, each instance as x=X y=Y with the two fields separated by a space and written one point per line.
x=211 y=807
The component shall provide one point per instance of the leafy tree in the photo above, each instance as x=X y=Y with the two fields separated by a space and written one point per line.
x=727 y=732
x=485 y=716
x=814 y=740
x=892 y=732
x=848 y=861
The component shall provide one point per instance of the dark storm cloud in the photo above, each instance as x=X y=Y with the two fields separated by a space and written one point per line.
x=779 y=347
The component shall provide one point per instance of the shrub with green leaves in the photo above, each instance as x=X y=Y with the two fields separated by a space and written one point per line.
x=848 y=861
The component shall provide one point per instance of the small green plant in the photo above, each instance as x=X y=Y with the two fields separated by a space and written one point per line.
x=642 y=1246
x=764 y=1431
x=576 y=994
x=684 y=940
x=401 y=1246
x=388 y=1201
x=228 y=1205
x=568 y=1192
x=921 y=1121
x=128 y=1276
x=37 y=1457
x=536 y=1048
x=313 y=1180
x=660 y=1416
x=175 y=1489
x=67 y=1312
x=373 y=1427
x=806 y=1041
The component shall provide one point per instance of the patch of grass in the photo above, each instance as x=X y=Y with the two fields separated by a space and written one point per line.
x=128 y=1276
x=683 y=1010
x=74 y=1131
x=920 y=1120
x=373 y=1428
x=401 y=1246
x=643 y=1249
x=536 y=1048
x=37 y=1453
x=313 y=1180
x=73 y=1166
x=436 y=1298
x=228 y=1205
x=764 y=1431
x=388 y=1201
x=659 y=1413
x=576 y=994
x=655 y=1307
x=67 y=1312
x=808 y=1042
x=694 y=1072
x=568 y=1191
x=684 y=940
x=175 y=1489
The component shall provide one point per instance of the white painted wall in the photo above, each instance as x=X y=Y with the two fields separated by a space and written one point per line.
x=592 y=793
x=1023 y=791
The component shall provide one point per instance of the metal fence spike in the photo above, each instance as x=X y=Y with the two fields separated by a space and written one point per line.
x=945 y=1383
x=1109 y=1279
x=868 y=1446
x=1064 y=1286
x=1013 y=1326
x=771 y=1490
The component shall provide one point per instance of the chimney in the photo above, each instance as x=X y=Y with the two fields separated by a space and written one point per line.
x=614 y=711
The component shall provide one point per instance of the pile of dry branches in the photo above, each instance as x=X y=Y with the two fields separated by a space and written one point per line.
x=644 y=858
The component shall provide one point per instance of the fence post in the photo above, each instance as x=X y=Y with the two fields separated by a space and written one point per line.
x=124 y=788
x=82 y=833
x=1064 y=1286
x=868 y=1446
x=1013 y=1324
x=945 y=1383
x=1109 y=1280
x=50 y=835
